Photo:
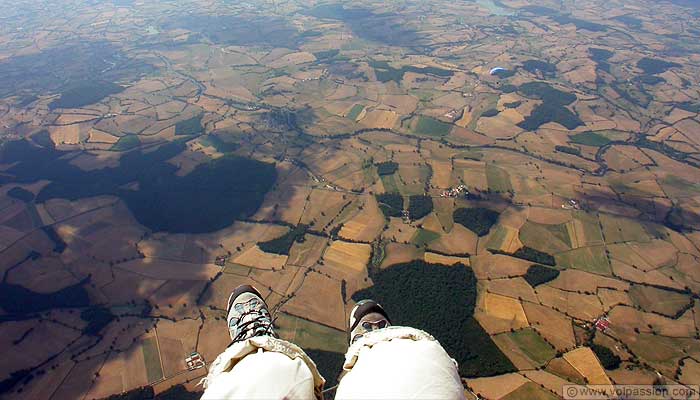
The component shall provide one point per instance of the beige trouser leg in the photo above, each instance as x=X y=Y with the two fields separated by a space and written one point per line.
x=263 y=368
x=399 y=363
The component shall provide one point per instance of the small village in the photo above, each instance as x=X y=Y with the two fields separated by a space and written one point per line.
x=458 y=191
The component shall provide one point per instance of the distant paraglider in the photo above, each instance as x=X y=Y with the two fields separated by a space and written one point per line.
x=501 y=72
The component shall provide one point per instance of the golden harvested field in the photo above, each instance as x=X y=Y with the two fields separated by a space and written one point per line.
x=690 y=372
x=473 y=173
x=435 y=258
x=366 y=224
x=348 y=255
x=552 y=325
x=443 y=209
x=401 y=104
x=290 y=201
x=69 y=134
x=398 y=231
x=400 y=253
x=319 y=299
x=548 y=380
x=587 y=364
x=502 y=126
x=432 y=223
x=322 y=207
x=516 y=288
x=379 y=119
x=97 y=136
x=278 y=281
x=576 y=280
x=256 y=258
x=581 y=306
x=442 y=174
x=459 y=240
x=500 y=313
x=308 y=252
x=292 y=59
x=631 y=374
x=498 y=266
x=611 y=298
x=578 y=126
x=496 y=387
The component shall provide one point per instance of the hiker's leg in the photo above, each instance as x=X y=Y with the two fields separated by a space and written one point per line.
x=390 y=362
x=260 y=374
x=258 y=365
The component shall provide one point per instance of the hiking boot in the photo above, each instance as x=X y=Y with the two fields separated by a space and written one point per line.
x=366 y=316
x=248 y=315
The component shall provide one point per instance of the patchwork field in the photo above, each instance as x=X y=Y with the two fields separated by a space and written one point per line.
x=154 y=156
x=353 y=256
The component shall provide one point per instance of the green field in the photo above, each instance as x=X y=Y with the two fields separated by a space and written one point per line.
x=310 y=335
x=424 y=236
x=390 y=184
x=549 y=238
x=127 y=142
x=617 y=229
x=151 y=358
x=470 y=155
x=591 y=228
x=496 y=238
x=662 y=351
x=589 y=259
x=530 y=391
x=681 y=184
x=355 y=111
x=532 y=344
x=665 y=302
x=432 y=127
x=217 y=143
x=489 y=101
x=498 y=179
x=590 y=139
x=236 y=269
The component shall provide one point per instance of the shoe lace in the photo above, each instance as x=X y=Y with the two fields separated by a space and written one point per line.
x=255 y=323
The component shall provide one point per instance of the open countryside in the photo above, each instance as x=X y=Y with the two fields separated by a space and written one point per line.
x=536 y=165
